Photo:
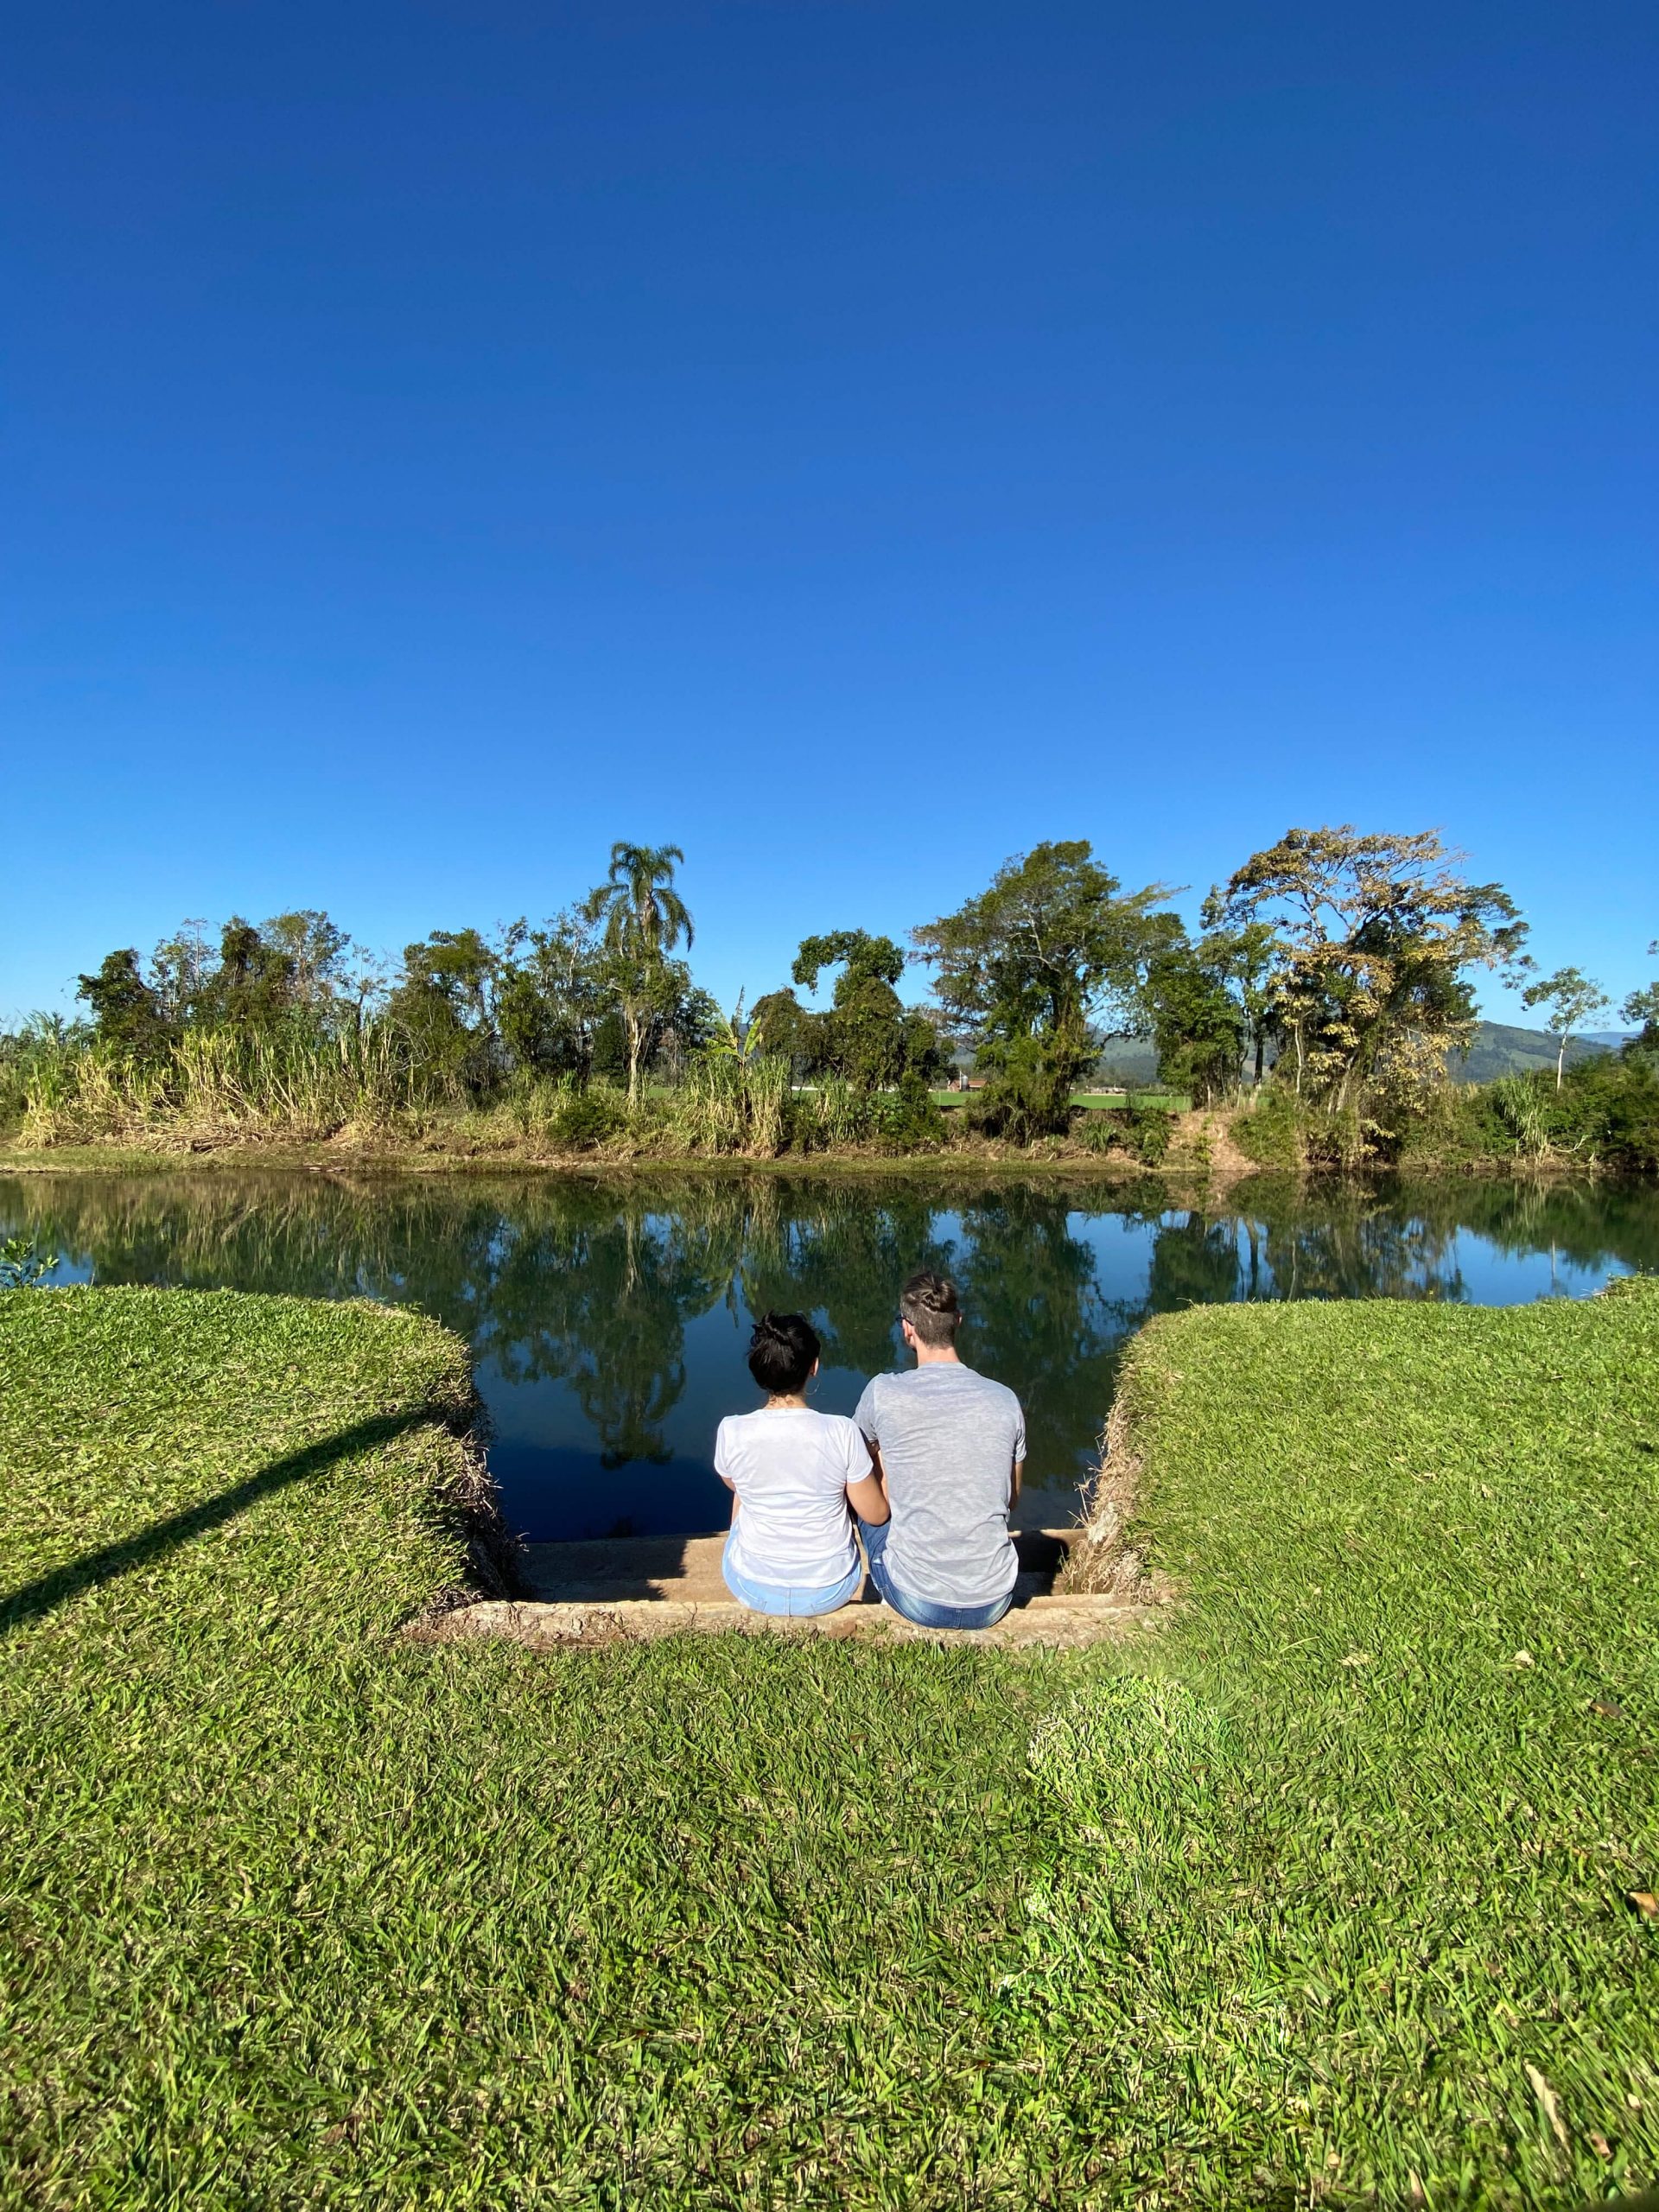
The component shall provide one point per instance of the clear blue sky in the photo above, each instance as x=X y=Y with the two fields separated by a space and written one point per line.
x=853 y=439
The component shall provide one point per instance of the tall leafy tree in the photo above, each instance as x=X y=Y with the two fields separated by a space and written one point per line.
x=1570 y=1001
x=181 y=967
x=870 y=1035
x=1377 y=933
x=444 y=1004
x=1249 y=960
x=641 y=918
x=316 y=948
x=1198 y=1026
x=553 y=996
x=251 y=987
x=789 y=1030
x=1212 y=1001
x=1051 y=941
x=128 y=1013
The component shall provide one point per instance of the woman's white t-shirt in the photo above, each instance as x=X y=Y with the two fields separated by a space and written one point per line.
x=789 y=1467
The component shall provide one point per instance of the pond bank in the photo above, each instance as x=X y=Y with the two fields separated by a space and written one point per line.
x=1194 y=1162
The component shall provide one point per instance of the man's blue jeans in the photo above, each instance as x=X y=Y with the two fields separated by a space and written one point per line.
x=923 y=1610
x=785 y=1604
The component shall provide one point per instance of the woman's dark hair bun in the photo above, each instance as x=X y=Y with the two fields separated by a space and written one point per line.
x=783 y=1351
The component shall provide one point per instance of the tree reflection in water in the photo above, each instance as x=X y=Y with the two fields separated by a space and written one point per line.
x=590 y=1284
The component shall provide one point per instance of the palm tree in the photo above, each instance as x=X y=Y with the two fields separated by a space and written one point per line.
x=640 y=908
x=645 y=919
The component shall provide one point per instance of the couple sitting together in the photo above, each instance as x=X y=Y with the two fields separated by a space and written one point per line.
x=929 y=1465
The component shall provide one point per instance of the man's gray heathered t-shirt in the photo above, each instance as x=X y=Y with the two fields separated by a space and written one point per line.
x=948 y=1438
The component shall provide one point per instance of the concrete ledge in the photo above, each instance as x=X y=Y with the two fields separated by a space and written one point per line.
x=1049 y=1621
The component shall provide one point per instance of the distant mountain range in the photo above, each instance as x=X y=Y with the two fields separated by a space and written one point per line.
x=1499 y=1049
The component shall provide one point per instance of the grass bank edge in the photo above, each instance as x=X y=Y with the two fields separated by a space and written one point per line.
x=435 y=1402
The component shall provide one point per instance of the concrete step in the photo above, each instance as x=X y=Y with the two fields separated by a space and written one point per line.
x=687 y=1568
x=623 y=1588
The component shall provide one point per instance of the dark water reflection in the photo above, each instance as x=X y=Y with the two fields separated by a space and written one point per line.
x=608 y=1318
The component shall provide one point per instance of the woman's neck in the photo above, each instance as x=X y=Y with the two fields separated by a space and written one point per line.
x=787 y=1401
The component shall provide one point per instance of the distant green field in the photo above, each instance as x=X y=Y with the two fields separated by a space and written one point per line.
x=1172 y=1102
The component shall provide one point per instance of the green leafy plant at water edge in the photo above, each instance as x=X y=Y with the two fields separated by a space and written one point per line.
x=218 y=1085
x=585 y=1120
x=831 y=1114
x=22 y=1265
x=1605 y=1114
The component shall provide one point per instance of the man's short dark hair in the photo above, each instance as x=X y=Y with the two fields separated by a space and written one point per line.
x=929 y=1303
x=781 y=1353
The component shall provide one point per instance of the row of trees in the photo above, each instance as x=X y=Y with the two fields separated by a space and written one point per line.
x=597 y=989
x=1343 y=960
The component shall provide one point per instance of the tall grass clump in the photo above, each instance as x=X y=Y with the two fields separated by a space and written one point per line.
x=221 y=1086
x=731 y=1106
x=40 y=1057
x=833 y=1114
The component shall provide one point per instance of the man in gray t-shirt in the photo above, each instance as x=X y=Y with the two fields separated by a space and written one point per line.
x=947 y=1445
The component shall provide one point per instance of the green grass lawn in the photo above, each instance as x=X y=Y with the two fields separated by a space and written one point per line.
x=1322 y=1894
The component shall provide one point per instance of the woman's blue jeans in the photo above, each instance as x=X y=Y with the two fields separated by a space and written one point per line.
x=923 y=1610
x=789 y=1605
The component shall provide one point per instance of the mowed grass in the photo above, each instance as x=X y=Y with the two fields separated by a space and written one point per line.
x=1322 y=1894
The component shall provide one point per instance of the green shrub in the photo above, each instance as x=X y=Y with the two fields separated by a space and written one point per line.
x=582 y=1121
x=1458 y=1124
x=1144 y=1132
x=1273 y=1128
x=1613 y=1102
x=1026 y=1096
x=908 y=1120
x=1605 y=1114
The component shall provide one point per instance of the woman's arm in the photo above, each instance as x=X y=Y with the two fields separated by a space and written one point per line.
x=867 y=1496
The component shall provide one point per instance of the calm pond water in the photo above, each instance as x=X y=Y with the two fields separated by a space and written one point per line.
x=608 y=1317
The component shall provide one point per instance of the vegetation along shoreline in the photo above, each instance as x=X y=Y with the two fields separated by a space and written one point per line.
x=1324 y=1017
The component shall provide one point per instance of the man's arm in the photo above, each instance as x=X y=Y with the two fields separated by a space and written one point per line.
x=1014 y=1484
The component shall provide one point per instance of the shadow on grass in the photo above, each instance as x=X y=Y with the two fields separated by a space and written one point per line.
x=35 y=1598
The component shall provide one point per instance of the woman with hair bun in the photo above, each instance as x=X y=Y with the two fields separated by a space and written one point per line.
x=797 y=1478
